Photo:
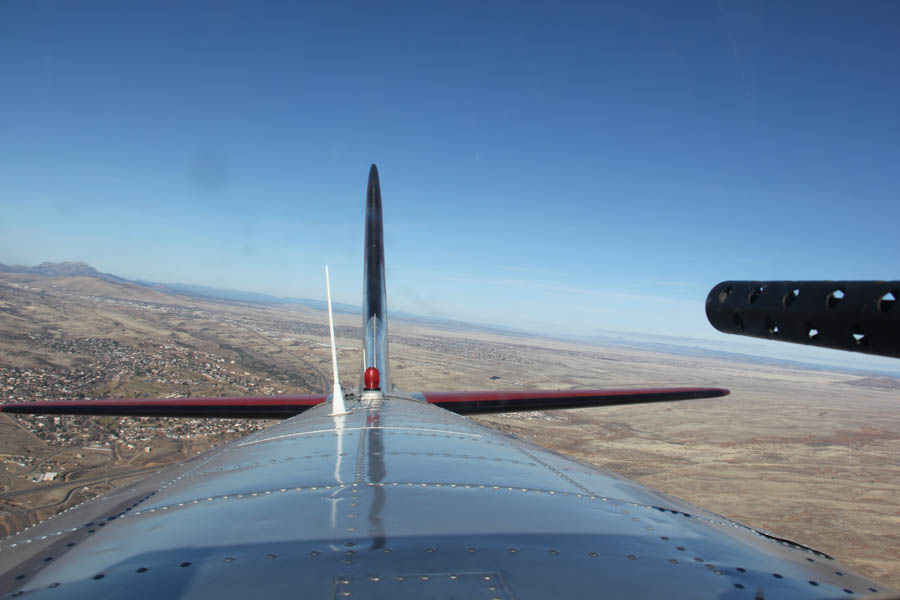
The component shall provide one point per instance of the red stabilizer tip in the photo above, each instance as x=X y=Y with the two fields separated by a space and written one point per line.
x=372 y=379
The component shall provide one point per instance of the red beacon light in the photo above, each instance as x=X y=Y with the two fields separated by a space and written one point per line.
x=371 y=379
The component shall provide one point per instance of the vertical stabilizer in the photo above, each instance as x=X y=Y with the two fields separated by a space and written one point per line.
x=375 y=344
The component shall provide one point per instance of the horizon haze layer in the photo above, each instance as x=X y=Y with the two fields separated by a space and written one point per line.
x=738 y=348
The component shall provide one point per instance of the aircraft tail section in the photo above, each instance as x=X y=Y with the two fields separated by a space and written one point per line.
x=376 y=378
x=375 y=344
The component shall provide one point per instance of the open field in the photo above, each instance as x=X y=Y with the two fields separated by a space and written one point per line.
x=808 y=455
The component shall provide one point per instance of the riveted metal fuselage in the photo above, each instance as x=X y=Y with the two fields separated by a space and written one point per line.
x=402 y=499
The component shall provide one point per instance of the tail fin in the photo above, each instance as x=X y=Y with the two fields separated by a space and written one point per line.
x=375 y=344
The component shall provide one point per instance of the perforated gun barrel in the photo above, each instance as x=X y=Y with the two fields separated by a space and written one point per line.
x=860 y=316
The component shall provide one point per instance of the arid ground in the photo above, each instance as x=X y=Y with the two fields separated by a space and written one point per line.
x=805 y=454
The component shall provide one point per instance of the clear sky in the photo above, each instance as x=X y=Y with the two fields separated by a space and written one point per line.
x=563 y=169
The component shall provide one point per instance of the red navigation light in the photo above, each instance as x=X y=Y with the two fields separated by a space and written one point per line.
x=372 y=379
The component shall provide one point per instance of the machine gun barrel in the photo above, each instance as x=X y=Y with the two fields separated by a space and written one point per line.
x=860 y=316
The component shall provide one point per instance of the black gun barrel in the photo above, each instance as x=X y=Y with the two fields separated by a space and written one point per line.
x=860 y=316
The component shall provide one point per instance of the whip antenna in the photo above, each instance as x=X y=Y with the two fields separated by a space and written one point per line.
x=337 y=396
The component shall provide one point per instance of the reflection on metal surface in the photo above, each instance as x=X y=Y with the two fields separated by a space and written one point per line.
x=374 y=318
x=375 y=349
x=339 y=455
x=408 y=584
x=380 y=493
x=375 y=473
x=339 y=431
x=290 y=435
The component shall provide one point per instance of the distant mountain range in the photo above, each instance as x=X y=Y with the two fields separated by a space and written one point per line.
x=81 y=269
x=62 y=269
x=205 y=291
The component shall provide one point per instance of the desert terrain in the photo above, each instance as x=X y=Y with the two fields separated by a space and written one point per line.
x=811 y=455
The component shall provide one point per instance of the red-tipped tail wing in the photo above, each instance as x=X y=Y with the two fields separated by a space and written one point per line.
x=514 y=401
x=283 y=407
x=260 y=407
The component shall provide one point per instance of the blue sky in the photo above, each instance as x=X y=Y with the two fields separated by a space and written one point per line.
x=596 y=166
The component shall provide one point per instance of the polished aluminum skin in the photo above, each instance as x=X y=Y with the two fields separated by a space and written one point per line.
x=374 y=315
x=402 y=499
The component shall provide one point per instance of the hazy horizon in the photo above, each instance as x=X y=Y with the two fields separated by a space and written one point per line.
x=806 y=356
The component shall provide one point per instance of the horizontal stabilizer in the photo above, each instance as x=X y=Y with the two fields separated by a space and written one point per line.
x=515 y=401
x=260 y=407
